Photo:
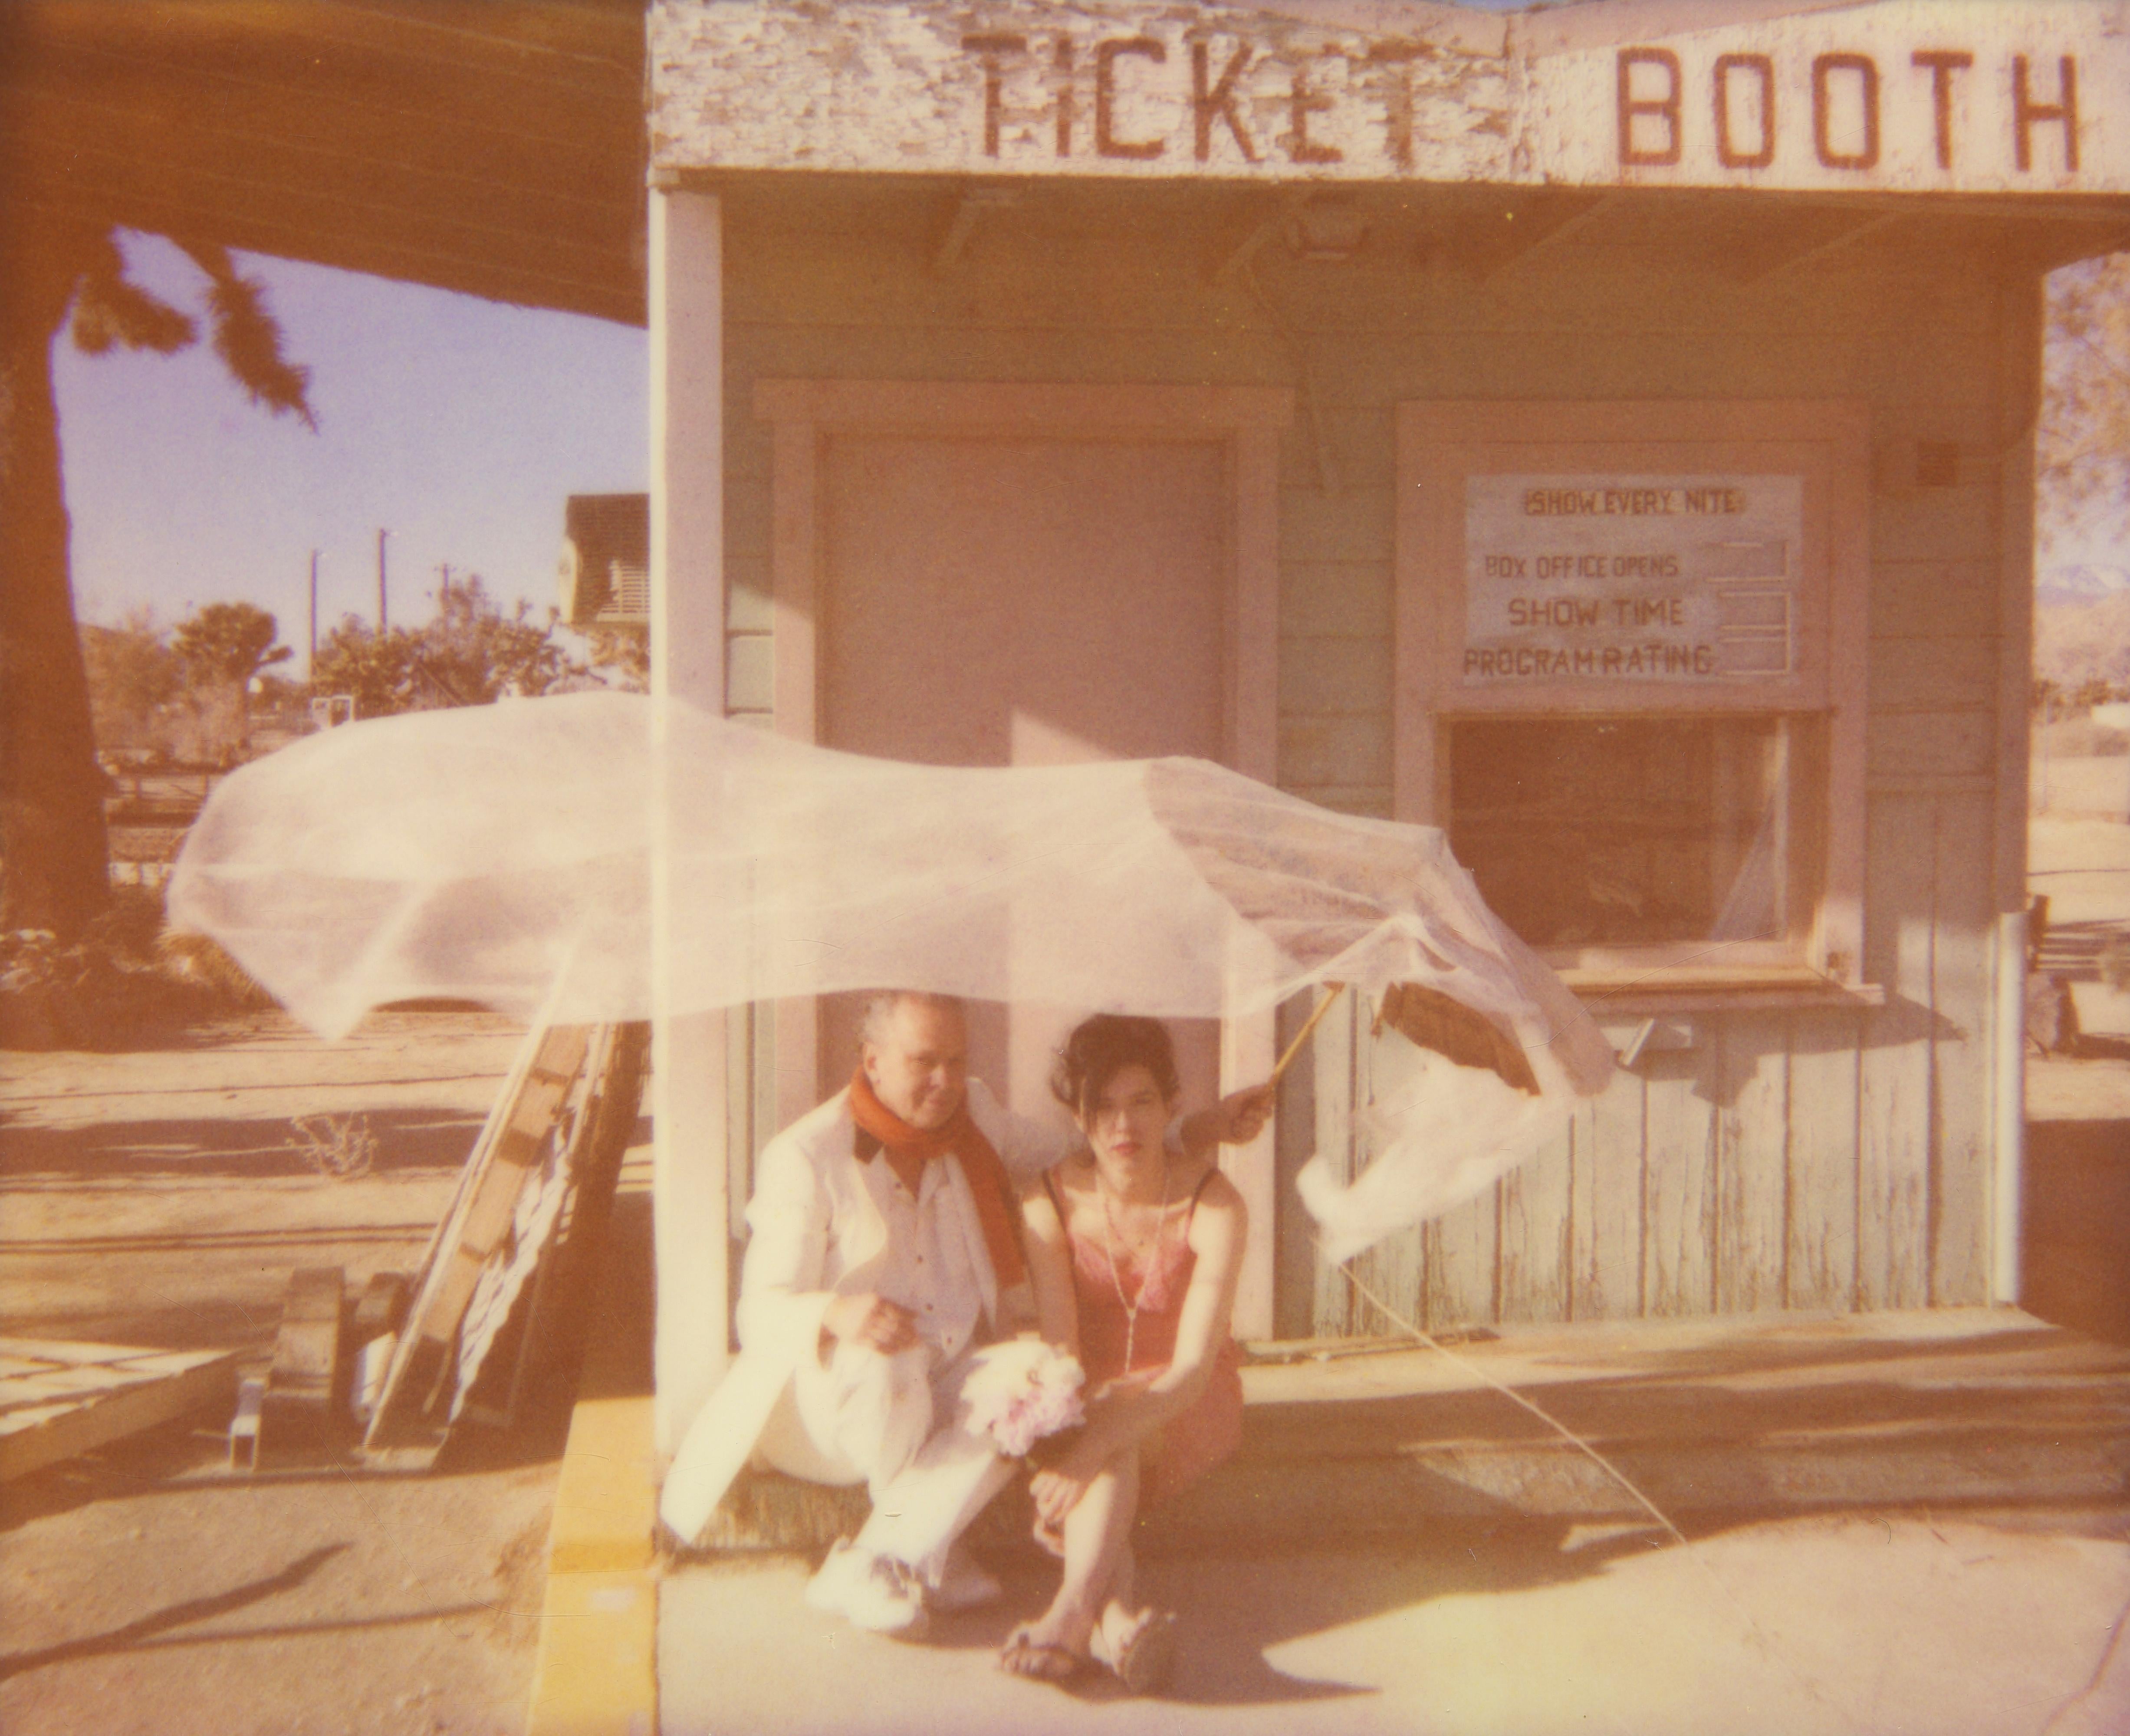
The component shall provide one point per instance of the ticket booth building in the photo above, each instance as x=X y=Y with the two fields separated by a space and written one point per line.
x=1605 y=433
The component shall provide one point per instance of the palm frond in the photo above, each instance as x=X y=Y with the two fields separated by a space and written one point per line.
x=248 y=338
x=109 y=311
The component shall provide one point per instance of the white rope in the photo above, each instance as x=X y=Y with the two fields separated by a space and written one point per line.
x=1511 y=1394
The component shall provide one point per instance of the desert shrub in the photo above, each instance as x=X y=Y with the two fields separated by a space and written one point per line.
x=194 y=958
x=124 y=981
x=339 y=1147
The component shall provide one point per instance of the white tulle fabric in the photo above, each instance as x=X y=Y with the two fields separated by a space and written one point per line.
x=515 y=855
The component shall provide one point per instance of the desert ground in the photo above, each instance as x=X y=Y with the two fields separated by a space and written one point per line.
x=163 y=1199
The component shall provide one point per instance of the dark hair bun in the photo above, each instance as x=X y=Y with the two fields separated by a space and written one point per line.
x=1102 y=1047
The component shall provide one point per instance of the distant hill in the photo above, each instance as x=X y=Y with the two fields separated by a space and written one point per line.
x=2089 y=636
x=2055 y=586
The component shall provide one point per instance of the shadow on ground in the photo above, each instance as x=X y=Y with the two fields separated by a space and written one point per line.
x=2074 y=1226
x=221 y=1146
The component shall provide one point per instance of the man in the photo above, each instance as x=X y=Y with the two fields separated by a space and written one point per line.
x=883 y=1250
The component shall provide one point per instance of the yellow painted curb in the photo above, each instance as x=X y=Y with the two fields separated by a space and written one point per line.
x=597 y=1672
x=606 y=1495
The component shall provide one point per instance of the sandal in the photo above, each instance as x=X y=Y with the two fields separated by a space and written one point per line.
x=1147 y=1659
x=1023 y=1655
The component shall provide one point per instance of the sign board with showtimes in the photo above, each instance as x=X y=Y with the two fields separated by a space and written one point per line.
x=1597 y=580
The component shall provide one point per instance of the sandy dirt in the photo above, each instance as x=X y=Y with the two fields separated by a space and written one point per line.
x=163 y=1199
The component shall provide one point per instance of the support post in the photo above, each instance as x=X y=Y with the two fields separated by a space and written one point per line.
x=688 y=1082
x=2009 y=1141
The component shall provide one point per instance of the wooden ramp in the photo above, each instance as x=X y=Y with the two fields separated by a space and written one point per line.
x=59 y=1399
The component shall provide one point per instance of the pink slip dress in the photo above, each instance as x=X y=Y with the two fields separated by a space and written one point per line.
x=1193 y=1442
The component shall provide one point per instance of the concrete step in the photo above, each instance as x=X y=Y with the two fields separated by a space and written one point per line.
x=1760 y=1414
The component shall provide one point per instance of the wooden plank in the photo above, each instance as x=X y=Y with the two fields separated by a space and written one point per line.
x=544 y=1334
x=494 y=1344
x=298 y=1410
x=485 y=1214
x=1394 y=1268
x=1934 y=524
x=1345 y=527
x=380 y=1308
x=1824 y=1057
x=1752 y=1159
x=1606 y=1231
x=1324 y=676
x=1536 y=1212
x=1932 y=674
x=1333 y=1062
x=1321 y=750
x=309 y=1343
x=1680 y=1196
x=1335 y=597
x=1927 y=599
x=488 y=1190
x=1961 y=962
x=1895 y=1107
x=1294 y=1142
x=29 y=1442
x=1911 y=744
x=1462 y=1251
x=61 y=1349
x=35 y=1390
x=10 y=1366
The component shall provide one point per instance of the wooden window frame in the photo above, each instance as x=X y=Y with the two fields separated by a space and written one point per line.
x=1826 y=443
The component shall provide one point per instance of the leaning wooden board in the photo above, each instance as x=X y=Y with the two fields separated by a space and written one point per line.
x=58 y=1398
x=531 y=1306
x=509 y=1150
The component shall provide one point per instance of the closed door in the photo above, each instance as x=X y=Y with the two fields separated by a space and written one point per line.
x=1022 y=602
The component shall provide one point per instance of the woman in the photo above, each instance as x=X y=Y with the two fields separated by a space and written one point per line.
x=1134 y=1251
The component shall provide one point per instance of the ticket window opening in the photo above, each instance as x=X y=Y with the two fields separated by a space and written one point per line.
x=1675 y=839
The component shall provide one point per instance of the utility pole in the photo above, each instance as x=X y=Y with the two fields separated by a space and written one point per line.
x=383 y=616
x=444 y=589
x=314 y=615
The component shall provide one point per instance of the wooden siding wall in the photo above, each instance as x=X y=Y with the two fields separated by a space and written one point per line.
x=1801 y=1159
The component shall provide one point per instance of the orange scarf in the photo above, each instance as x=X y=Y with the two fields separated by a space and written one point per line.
x=914 y=1147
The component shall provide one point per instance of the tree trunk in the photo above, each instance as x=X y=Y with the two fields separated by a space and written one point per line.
x=55 y=854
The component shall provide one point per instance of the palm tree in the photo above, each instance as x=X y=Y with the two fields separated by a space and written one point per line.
x=56 y=856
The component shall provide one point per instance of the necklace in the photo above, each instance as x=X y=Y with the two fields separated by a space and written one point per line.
x=1111 y=1236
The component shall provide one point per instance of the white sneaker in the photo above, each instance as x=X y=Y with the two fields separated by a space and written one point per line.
x=873 y=1592
x=964 y=1584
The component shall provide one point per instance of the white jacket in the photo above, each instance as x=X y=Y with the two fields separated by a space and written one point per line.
x=815 y=1234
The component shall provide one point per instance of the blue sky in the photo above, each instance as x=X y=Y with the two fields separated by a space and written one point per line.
x=457 y=425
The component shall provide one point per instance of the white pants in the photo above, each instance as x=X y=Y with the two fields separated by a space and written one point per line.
x=866 y=1418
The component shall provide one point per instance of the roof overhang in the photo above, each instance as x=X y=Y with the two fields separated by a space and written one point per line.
x=492 y=146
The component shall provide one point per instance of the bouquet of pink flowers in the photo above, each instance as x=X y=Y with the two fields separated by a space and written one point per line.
x=1021 y=1391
